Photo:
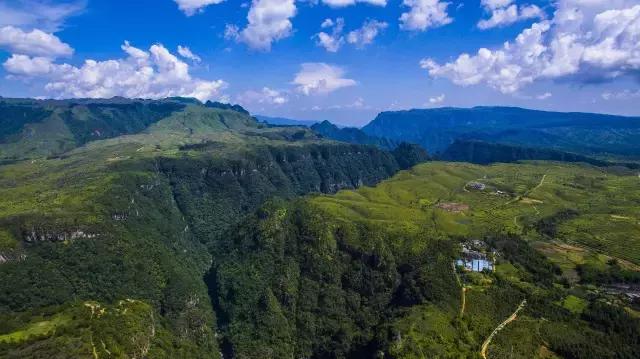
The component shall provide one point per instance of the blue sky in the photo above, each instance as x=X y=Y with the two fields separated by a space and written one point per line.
x=373 y=55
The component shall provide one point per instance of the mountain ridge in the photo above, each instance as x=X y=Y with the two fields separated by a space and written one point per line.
x=435 y=129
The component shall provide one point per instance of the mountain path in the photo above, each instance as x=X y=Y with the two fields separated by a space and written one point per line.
x=487 y=342
x=463 y=291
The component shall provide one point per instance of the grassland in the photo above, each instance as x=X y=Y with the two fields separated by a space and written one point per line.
x=517 y=196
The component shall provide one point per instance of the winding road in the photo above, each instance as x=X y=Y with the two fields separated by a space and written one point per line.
x=487 y=342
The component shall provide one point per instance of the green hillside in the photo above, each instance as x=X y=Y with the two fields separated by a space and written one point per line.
x=351 y=135
x=139 y=216
x=203 y=233
x=369 y=273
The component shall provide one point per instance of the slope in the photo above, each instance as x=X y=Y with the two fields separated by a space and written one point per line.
x=136 y=217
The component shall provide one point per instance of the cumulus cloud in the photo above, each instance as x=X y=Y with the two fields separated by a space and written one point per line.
x=42 y=14
x=424 y=15
x=366 y=34
x=185 y=52
x=495 y=4
x=268 y=22
x=333 y=41
x=265 y=96
x=585 y=41
x=35 y=43
x=23 y=65
x=504 y=12
x=344 y=3
x=321 y=78
x=155 y=73
x=192 y=7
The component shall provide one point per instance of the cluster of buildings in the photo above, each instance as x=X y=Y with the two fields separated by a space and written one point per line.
x=474 y=257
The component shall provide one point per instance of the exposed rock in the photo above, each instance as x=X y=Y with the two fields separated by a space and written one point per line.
x=44 y=235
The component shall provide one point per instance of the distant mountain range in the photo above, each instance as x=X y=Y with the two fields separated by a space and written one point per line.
x=480 y=152
x=281 y=121
x=585 y=133
x=351 y=135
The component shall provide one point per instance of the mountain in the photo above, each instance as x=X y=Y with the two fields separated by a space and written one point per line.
x=584 y=133
x=191 y=230
x=350 y=135
x=105 y=238
x=480 y=152
x=281 y=121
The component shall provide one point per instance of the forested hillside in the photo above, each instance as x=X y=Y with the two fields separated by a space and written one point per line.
x=584 y=133
x=87 y=234
x=370 y=273
x=351 y=135
x=480 y=152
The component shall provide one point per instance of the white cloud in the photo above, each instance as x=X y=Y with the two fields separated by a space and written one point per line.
x=192 y=7
x=269 y=21
x=330 y=42
x=265 y=96
x=361 y=37
x=367 y=33
x=504 y=13
x=344 y=3
x=544 y=96
x=321 y=78
x=327 y=23
x=23 y=65
x=586 y=41
x=34 y=43
x=496 y=4
x=155 y=73
x=185 y=52
x=437 y=100
x=333 y=41
x=42 y=14
x=424 y=14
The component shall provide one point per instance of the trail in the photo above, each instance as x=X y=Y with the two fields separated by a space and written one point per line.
x=539 y=184
x=518 y=198
x=464 y=301
x=463 y=290
x=487 y=342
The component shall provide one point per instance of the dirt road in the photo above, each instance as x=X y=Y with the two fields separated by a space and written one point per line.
x=485 y=345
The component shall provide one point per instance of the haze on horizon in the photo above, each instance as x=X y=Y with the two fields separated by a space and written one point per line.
x=341 y=60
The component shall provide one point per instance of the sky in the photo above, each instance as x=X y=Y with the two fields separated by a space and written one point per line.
x=338 y=60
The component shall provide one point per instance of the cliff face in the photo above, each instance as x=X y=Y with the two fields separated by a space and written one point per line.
x=155 y=227
x=231 y=188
